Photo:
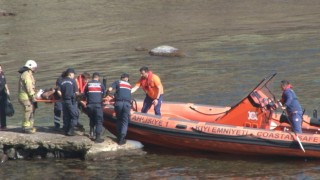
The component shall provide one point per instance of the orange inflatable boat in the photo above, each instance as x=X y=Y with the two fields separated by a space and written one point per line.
x=250 y=127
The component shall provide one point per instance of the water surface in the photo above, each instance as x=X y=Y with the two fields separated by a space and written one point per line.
x=230 y=47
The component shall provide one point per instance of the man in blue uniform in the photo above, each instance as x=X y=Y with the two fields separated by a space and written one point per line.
x=292 y=106
x=68 y=91
x=122 y=106
x=94 y=92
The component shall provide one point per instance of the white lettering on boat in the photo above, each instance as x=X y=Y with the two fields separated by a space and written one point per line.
x=147 y=120
x=214 y=129
x=221 y=130
x=256 y=133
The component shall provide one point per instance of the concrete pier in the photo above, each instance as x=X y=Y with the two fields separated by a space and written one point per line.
x=49 y=143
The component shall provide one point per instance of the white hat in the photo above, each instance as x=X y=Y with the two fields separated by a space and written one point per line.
x=31 y=64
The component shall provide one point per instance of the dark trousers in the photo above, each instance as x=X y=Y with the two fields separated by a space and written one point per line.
x=296 y=120
x=3 y=117
x=57 y=114
x=147 y=103
x=122 y=109
x=96 y=117
x=70 y=114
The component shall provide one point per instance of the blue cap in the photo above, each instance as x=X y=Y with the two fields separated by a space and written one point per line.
x=95 y=74
x=70 y=70
x=124 y=75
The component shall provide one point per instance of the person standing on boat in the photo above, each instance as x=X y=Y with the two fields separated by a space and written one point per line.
x=94 y=91
x=122 y=106
x=4 y=93
x=68 y=90
x=292 y=106
x=27 y=95
x=152 y=86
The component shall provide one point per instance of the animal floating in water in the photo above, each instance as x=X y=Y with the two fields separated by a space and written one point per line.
x=165 y=50
x=5 y=13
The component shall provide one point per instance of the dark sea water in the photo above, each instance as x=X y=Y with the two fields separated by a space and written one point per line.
x=230 y=47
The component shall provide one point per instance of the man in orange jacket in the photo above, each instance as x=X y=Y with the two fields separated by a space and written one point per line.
x=152 y=86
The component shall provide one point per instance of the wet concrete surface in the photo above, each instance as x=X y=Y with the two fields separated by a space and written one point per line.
x=50 y=143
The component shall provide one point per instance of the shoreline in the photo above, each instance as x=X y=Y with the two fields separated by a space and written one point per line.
x=50 y=143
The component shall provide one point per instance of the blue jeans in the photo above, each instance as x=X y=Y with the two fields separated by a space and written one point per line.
x=3 y=117
x=70 y=114
x=147 y=103
x=57 y=114
x=122 y=109
x=95 y=114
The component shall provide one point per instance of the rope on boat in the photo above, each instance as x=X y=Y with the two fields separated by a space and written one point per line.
x=193 y=108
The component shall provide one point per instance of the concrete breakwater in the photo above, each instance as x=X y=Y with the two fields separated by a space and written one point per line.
x=48 y=143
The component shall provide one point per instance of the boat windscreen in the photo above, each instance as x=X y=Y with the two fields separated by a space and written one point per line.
x=266 y=85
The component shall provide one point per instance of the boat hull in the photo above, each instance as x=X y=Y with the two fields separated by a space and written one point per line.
x=192 y=135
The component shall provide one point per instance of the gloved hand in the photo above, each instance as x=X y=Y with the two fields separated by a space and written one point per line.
x=33 y=98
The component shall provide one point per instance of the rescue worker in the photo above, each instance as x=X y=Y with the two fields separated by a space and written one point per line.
x=291 y=104
x=94 y=92
x=27 y=95
x=58 y=105
x=4 y=93
x=68 y=91
x=122 y=106
x=152 y=86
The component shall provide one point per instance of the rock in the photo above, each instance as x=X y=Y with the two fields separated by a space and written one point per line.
x=165 y=50
x=11 y=153
x=22 y=154
x=4 y=158
x=106 y=149
x=48 y=143
x=50 y=155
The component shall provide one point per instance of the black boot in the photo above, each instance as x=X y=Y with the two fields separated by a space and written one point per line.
x=71 y=132
x=91 y=133
x=121 y=139
x=98 y=138
x=80 y=127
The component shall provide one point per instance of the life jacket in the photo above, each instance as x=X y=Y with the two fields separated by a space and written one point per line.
x=81 y=83
x=146 y=83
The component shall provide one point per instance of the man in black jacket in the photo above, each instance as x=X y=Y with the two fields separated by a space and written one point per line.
x=4 y=93
x=94 y=92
